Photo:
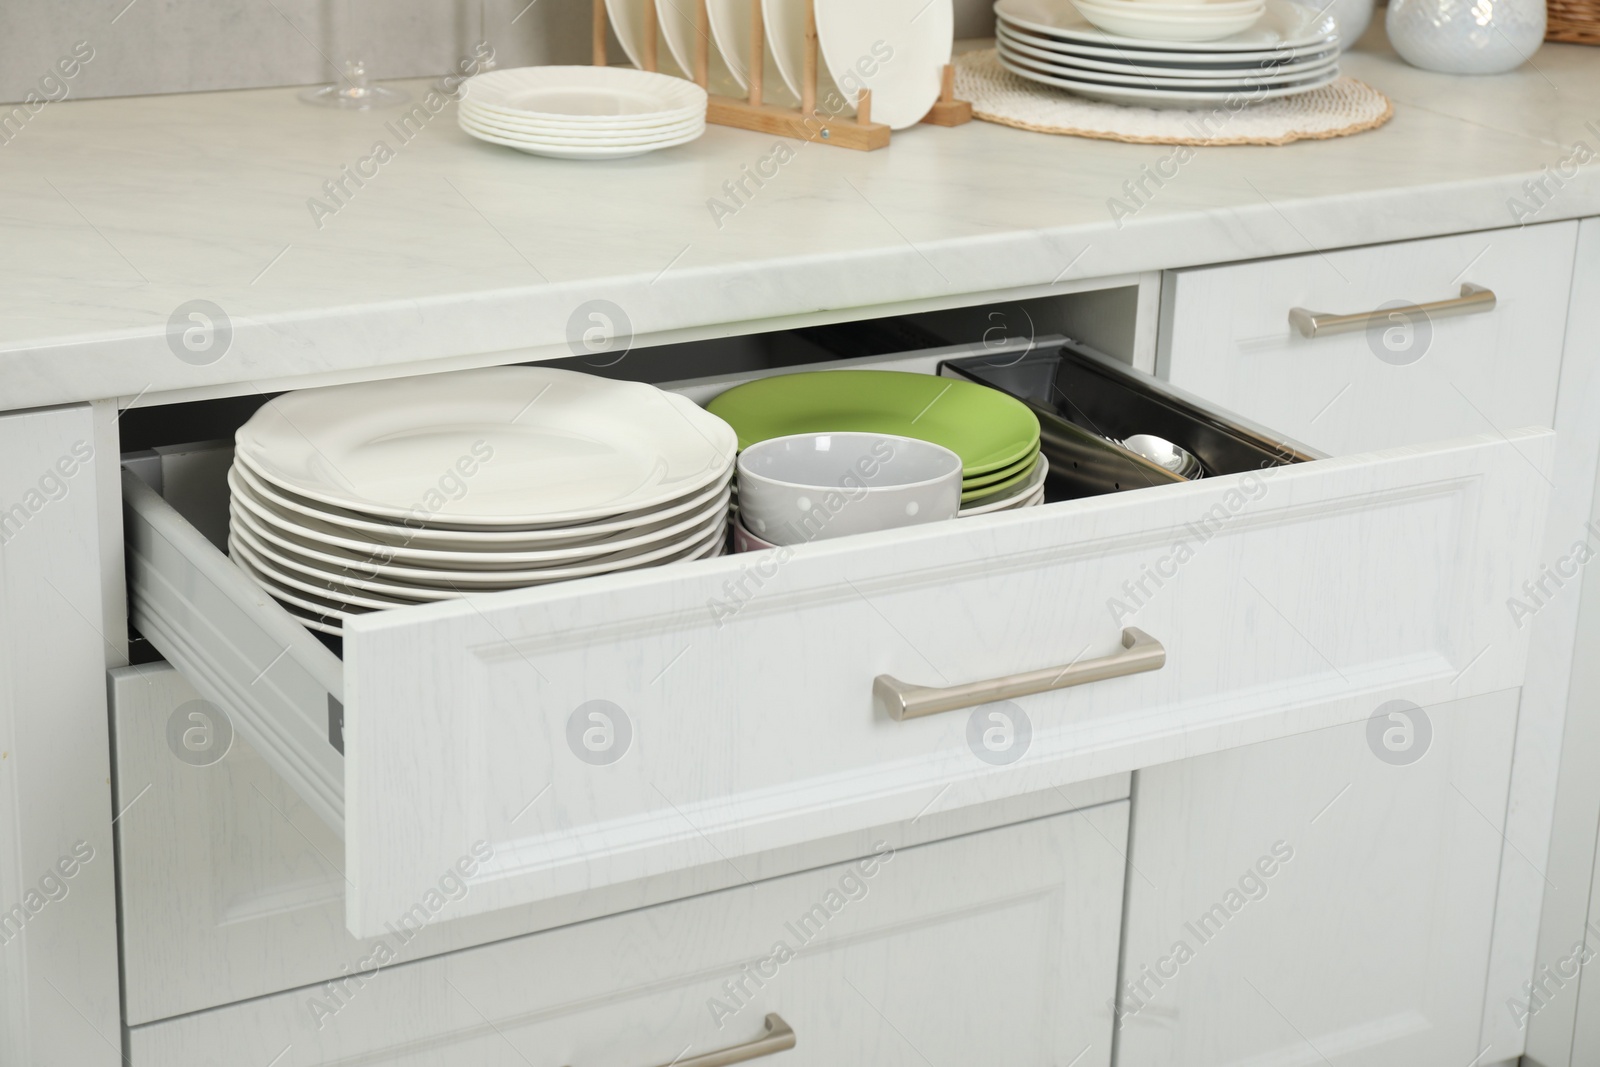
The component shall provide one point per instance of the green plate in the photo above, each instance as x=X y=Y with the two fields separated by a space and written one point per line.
x=978 y=481
x=986 y=428
x=972 y=496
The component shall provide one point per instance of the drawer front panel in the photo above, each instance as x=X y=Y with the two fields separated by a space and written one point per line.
x=1226 y=336
x=999 y=947
x=232 y=888
x=559 y=739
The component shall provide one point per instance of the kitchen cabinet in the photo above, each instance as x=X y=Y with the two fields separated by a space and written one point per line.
x=995 y=947
x=1319 y=899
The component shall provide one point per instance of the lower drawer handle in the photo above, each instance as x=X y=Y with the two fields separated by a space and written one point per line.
x=1473 y=298
x=778 y=1038
x=1141 y=652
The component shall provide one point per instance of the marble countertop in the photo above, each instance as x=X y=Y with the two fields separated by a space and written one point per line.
x=114 y=214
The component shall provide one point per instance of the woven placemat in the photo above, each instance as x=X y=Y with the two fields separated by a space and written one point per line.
x=1347 y=106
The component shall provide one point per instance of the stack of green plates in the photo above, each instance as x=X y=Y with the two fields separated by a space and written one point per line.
x=996 y=436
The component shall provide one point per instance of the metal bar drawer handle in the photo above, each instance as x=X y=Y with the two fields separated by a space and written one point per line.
x=1473 y=299
x=778 y=1038
x=1141 y=653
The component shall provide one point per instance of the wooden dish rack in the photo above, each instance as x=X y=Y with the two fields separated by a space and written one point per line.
x=753 y=113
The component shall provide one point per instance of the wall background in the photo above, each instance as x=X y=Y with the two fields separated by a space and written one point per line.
x=172 y=46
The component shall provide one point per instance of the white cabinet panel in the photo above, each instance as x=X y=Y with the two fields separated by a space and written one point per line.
x=998 y=947
x=231 y=888
x=1226 y=336
x=1333 y=907
x=58 y=962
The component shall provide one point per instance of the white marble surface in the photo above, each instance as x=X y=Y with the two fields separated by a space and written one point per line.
x=115 y=212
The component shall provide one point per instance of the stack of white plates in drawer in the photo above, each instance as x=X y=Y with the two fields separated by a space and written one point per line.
x=1287 y=49
x=361 y=497
x=582 y=112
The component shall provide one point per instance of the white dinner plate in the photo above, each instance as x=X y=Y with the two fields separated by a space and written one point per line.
x=1208 y=72
x=493 y=447
x=336 y=585
x=567 y=151
x=785 y=21
x=896 y=48
x=627 y=22
x=324 y=517
x=1243 y=80
x=374 y=565
x=1285 y=24
x=600 y=138
x=677 y=19
x=1160 y=27
x=1030 y=487
x=309 y=539
x=1166 y=57
x=308 y=609
x=567 y=128
x=584 y=93
x=730 y=29
x=1137 y=97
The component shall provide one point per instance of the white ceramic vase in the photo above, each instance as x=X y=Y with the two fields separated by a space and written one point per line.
x=1466 y=36
x=1353 y=17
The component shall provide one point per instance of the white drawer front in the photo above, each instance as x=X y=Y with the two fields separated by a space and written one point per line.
x=232 y=888
x=1226 y=336
x=998 y=947
x=549 y=741
x=1345 y=584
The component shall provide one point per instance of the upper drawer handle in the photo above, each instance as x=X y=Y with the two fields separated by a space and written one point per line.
x=778 y=1038
x=1141 y=653
x=1473 y=299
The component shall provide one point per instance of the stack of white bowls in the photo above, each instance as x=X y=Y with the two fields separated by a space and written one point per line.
x=582 y=112
x=358 y=498
x=1170 y=53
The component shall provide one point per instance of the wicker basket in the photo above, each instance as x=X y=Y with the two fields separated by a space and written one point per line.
x=1573 y=21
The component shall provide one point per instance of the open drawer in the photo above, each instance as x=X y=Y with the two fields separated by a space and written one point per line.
x=583 y=734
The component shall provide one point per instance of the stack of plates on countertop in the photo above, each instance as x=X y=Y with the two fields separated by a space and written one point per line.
x=357 y=498
x=1286 y=50
x=996 y=436
x=582 y=112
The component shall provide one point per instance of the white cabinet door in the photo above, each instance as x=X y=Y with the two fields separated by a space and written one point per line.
x=1408 y=379
x=1318 y=900
x=231 y=888
x=994 y=948
x=58 y=961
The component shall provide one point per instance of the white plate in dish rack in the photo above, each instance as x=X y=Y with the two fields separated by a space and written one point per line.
x=1141 y=97
x=1285 y=24
x=896 y=48
x=677 y=20
x=731 y=30
x=785 y=21
x=566 y=447
x=1017 y=47
x=587 y=95
x=1242 y=81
